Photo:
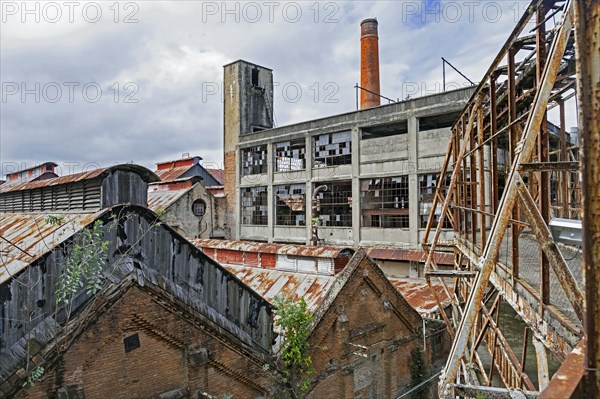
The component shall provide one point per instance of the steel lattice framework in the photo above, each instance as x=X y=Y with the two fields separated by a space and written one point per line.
x=512 y=172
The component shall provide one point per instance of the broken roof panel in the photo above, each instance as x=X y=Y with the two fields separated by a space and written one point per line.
x=172 y=173
x=322 y=251
x=24 y=237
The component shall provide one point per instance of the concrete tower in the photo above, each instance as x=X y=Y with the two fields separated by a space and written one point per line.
x=248 y=108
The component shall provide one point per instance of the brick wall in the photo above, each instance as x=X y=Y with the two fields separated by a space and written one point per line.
x=366 y=312
x=174 y=355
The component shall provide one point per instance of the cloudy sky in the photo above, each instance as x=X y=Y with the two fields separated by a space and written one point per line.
x=97 y=83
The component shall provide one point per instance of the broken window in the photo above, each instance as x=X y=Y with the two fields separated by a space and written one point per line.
x=290 y=155
x=438 y=121
x=384 y=202
x=334 y=206
x=254 y=205
x=427 y=188
x=254 y=160
x=290 y=205
x=199 y=207
x=332 y=149
x=384 y=130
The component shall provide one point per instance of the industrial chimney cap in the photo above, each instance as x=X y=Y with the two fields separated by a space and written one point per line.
x=368 y=27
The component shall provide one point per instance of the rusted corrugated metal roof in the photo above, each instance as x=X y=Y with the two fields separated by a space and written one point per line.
x=147 y=174
x=216 y=191
x=172 y=173
x=218 y=174
x=415 y=255
x=270 y=283
x=34 y=237
x=284 y=249
x=162 y=199
x=419 y=294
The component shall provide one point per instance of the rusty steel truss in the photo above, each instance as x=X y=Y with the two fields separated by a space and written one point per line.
x=512 y=172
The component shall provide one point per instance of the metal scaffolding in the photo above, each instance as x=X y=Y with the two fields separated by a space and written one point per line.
x=514 y=174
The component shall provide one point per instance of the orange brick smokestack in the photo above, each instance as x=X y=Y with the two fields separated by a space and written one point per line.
x=369 y=63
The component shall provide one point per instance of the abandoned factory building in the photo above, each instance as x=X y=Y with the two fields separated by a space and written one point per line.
x=160 y=300
x=366 y=327
x=189 y=198
x=372 y=172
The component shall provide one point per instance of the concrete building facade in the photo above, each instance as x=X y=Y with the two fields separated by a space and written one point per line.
x=380 y=167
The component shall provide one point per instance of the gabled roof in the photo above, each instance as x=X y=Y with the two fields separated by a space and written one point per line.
x=270 y=283
x=146 y=174
x=49 y=334
x=409 y=314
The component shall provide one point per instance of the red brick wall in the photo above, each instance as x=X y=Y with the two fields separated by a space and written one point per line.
x=359 y=315
x=97 y=363
x=251 y=258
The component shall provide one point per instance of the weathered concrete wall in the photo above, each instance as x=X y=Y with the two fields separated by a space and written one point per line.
x=181 y=217
x=177 y=356
x=411 y=153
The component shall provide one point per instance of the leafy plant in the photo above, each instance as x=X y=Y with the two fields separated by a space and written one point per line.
x=294 y=361
x=55 y=220
x=83 y=266
x=35 y=375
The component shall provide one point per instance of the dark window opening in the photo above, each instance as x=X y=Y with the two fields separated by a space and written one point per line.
x=254 y=160
x=254 y=205
x=290 y=155
x=258 y=129
x=384 y=202
x=199 y=207
x=290 y=205
x=255 y=77
x=334 y=206
x=332 y=149
x=436 y=347
x=438 y=121
x=427 y=188
x=385 y=130
x=132 y=342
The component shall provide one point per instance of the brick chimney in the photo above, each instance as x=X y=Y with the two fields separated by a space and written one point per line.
x=369 y=63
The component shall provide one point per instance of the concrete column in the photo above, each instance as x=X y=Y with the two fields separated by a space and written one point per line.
x=413 y=180
x=308 y=153
x=270 y=199
x=356 y=186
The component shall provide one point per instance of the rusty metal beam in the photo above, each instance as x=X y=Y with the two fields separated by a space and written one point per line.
x=587 y=39
x=549 y=166
x=550 y=249
x=567 y=378
x=523 y=153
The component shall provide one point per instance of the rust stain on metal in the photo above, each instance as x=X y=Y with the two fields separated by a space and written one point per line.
x=34 y=237
x=409 y=255
x=565 y=381
x=162 y=199
x=322 y=251
x=148 y=175
x=420 y=295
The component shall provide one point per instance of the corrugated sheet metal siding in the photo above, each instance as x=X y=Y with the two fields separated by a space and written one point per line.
x=121 y=187
x=325 y=266
x=82 y=195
